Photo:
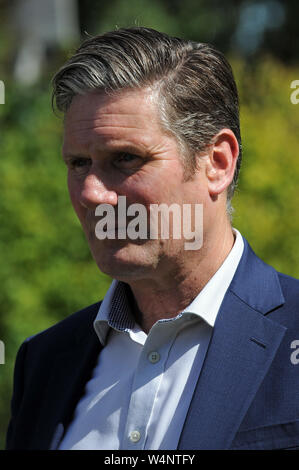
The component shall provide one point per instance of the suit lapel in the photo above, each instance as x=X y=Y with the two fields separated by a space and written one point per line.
x=242 y=348
x=70 y=372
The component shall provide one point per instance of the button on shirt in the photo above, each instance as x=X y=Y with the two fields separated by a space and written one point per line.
x=141 y=388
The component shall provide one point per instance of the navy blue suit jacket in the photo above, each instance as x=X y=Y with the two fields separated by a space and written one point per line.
x=246 y=395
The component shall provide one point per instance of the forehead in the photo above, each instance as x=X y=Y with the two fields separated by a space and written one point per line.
x=107 y=115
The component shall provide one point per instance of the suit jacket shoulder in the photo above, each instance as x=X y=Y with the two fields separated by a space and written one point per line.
x=67 y=330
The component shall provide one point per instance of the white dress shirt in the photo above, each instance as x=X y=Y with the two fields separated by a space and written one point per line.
x=141 y=388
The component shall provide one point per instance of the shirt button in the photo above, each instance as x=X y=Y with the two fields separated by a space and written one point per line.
x=135 y=436
x=154 y=357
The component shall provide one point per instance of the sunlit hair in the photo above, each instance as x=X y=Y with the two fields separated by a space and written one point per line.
x=197 y=94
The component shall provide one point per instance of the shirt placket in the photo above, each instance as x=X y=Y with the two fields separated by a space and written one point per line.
x=147 y=379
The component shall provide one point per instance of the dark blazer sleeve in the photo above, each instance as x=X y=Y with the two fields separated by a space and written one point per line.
x=18 y=389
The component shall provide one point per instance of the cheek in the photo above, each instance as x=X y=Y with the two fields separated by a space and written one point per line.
x=72 y=190
x=136 y=189
x=148 y=188
x=74 y=193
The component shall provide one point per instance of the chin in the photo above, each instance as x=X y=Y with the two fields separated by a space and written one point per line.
x=124 y=263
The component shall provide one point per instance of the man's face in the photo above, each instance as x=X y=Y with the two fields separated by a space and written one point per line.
x=115 y=146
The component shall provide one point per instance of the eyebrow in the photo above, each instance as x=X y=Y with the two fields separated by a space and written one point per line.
x=71 y=156
x=125 y=148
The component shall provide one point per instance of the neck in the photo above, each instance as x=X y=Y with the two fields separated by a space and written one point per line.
x=166 y=296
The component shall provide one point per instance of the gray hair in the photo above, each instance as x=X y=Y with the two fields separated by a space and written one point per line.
x=197 y=92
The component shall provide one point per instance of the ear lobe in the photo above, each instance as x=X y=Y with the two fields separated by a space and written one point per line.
x=220 y=167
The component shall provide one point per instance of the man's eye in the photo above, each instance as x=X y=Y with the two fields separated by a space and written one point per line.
x=80 y=164
x=127 y=160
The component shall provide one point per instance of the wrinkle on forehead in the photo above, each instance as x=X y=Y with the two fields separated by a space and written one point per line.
x=102 y=105
x=99 y=126
x=129 y=114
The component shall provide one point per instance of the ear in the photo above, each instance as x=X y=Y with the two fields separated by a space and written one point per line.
x=221 y=162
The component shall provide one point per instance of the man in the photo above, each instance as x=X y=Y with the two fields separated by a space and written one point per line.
x=191 y=348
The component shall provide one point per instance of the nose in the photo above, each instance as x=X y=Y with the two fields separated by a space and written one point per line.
x=94 y=192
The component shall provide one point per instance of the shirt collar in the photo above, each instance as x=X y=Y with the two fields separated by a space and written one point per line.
x=115 y=310
x=208 y=301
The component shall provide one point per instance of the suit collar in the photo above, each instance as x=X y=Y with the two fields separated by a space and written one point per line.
x=256 y=283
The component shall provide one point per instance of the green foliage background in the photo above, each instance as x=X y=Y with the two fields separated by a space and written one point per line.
x=46 y=270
